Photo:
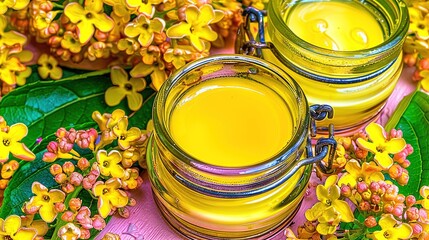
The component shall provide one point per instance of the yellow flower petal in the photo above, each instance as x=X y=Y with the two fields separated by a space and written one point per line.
x=206 y=14
x=118 y=198
x=47 y=213
x=114 y=95
x=104 y=207
x=387 y=221
x=403 y=231
x=366 y=145
x=94 y=5
x=27 y=234
x=135 y=101
x=103 y=22
x=141 y=70
x=12 y=224
x=347 y=179
x=191 y=14
x=74 y=12
x=19 y=5
x=18 y=131
x=12 y=38
x=118 y=76
x=19 y=150
x=179 y=30
x=383 y=159
x=425 y=84
x=315 y=212
x=85 y=31
x=395 y=145
x=139 y=84
x=343 y=208
x=56 y=195
x=37 y=188
x=376 y=133
x=158 y=78
x=116 y=171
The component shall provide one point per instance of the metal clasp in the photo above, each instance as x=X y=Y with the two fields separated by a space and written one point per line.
x=324 y=146
x=245 y=42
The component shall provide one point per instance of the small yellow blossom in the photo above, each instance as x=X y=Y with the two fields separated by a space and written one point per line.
x=108 y=121
x=109 y=195
x=10 y=38
x=196 y=26
x=418 y=23
x=88 y=18
x=9 y=65
x=8 y=169
x=391 y=229
x=424 y=192
x=328 y=196
x=129 y=45
x=71 y=42
x=109 y=163
x=125 y=87
x=24 y=56
x=368 y=173
x=120 y=9
x=10 y=142
x=45 y=201
x=144 y=28
x=44 y=19
x=150 y=54
x=69 y=232
x=49 y=67
x=130 y=178
x=328 y=222
x=5 y=5
x=380 y=146
x=155 y=70
x=145 y=7
x=11 y=229
x=126 y=137
x=20 y=4
x=39 y=225
x=178 y=56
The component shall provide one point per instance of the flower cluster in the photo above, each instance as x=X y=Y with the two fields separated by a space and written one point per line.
x=416 y=46
x=85 y=164
x=368 y=165
x=153 y=38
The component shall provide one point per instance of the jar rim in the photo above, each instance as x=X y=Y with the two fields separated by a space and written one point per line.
x=395 y=38
x=301 y=130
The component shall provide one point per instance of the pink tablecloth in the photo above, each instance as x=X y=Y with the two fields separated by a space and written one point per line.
x=146 y=222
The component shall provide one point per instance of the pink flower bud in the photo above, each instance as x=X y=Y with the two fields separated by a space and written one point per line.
x=361 y=187
x=76 y=178
x=395 y=171
x=412 y=213
x=374 y=187
x=75 y=204
x=67 y=187
x=406 y=163
x=397 y=211
x=423 y=215
x=49 y=157
x=84 y=233
x=403 y=179
x=87 y=184
x=68 y=168
x=55 y=169
x=375 y=199
x=370 y=222
x=30 y=210
x=417 y=228
x=410 y=200
x=60 y=207
x=84 y=212
x=364 y=206
x=52 y=147
x=61 y=132
x=98 y=222
x=67 y=216
x=60 y=178
x=83 y=164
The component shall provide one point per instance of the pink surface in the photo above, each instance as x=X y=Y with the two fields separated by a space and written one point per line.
x=146 y=222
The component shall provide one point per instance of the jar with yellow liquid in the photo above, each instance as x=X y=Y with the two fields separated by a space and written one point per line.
x=343 y=53
x=230 y=155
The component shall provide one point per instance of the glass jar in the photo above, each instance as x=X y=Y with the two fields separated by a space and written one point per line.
x=206 y=199
x=357 y=79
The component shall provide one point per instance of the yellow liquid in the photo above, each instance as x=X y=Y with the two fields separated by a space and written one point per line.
x=231 y=122
x=340 y=26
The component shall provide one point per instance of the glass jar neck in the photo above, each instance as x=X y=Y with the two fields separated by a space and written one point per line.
x=392 y=16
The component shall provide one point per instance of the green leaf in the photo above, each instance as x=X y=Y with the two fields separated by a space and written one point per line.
x=412 y=117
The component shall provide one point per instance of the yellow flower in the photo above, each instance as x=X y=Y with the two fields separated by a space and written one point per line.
x=71 y=42
x=424 y=192
x=125 y=137
x=8 y=169
x=109 y=163
x=145 y=7
x=328 y=222
x=196 y=26
x=368 y=173
x=418 y=23
x=11 y=229
x=130 y=178
x=88 y=18
x=108 y=121
x=45 y=201
x=49 y=67
x=150 y=54
x=380 y=146
x=69 y=232
x=328 y=196
x=391 y=229
x=155 y=70
x=10 y=143
x=178 y=56
x=129 y=45
x=125 y=88
x=120 y=9
x=144 y=28
x=6 y=4
x=40 y=226
x=109 y=195
x=20 y=4
x=24 y=56
x=9 y=65
x=43 y=19
x=10 y=38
